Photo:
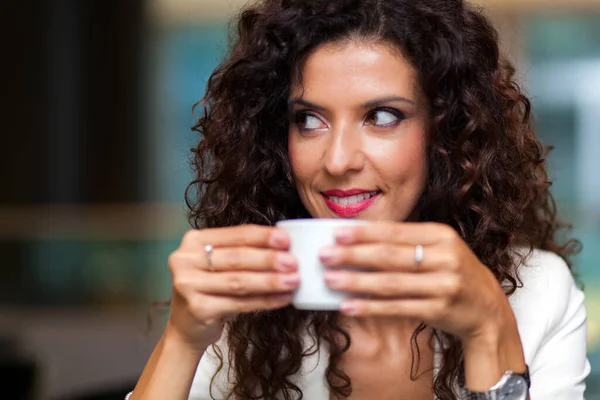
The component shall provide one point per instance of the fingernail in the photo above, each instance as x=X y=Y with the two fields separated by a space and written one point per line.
x=278 y=238
x=283 y=299
x=333 y=279
x=343 y=235
x=290 y=280
x=349 y=308
x=285 y=262
x=327 y=254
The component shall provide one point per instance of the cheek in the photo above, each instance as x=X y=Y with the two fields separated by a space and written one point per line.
x=404 y=161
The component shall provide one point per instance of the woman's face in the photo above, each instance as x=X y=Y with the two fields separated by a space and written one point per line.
x=357 y=136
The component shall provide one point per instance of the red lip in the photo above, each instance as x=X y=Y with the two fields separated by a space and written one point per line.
x=350 y=210
x=346 y=193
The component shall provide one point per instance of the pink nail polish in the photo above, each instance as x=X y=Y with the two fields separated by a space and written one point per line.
x=332 y=278
x=285 y=262
x=343 y=235
x=283 y=299
x=327 y=254
x=277 y=239
x=290 y=280
x=349 y=308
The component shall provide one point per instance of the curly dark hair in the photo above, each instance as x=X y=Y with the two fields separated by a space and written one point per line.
x=487 y=173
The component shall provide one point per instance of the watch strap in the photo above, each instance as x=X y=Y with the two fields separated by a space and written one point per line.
x=466 y=394
x=494 y=392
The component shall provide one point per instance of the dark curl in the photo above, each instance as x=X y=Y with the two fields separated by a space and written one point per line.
x=487 y=175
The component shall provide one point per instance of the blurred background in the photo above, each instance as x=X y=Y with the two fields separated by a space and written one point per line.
x=97 y=112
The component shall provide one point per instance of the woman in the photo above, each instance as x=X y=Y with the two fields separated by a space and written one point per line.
x=397 y=112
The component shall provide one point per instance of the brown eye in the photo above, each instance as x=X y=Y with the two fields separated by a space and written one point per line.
x=306 y=121
x=384 y=117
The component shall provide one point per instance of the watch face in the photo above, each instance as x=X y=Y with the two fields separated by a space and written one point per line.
x=515 y=388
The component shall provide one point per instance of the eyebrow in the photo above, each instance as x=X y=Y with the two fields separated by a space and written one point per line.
x=369 y=104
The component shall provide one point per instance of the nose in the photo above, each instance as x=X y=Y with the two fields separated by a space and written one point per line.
x=344 y=152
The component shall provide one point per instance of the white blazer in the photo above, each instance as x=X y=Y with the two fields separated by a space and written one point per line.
x=551 y=319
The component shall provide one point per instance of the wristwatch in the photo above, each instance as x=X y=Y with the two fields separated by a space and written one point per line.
x=512 y=386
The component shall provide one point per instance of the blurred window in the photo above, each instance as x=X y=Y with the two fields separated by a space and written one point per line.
x=564 y=81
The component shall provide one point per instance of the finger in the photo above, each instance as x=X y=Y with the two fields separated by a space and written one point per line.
x=388 y=256
x=423 y=309
x=239 y=283
x=248 y=258
x=237 y=258
x=393 y=285
x=209 y=307
x=413 y=233
x=243 y=235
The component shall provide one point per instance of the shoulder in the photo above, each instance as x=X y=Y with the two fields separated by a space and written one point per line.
x=547 y=286
x=547 y=293
x=543 y=270
x=551 y=317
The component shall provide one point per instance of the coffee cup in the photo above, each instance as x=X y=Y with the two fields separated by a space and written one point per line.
x=308 y=237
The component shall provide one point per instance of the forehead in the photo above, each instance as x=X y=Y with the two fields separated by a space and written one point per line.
x=356 y=70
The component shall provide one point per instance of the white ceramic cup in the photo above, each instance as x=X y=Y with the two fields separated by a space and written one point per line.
x=307 y=237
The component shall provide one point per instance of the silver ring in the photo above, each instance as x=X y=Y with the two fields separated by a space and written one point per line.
x=208 y=249
x=418 y=255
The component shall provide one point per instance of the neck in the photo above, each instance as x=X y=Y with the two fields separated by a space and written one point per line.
x=376 y=338
x=380 y=325
x=383 y=330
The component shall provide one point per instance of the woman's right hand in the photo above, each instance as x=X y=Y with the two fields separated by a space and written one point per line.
x=250 y=270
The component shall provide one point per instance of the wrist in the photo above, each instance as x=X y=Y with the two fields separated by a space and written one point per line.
x=174 y=341
x=499 y=327
x=495 y=349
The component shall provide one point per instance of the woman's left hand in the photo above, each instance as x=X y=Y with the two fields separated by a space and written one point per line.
x=450 y=289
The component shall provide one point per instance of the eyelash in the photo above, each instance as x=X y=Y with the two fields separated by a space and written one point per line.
x=396 y=113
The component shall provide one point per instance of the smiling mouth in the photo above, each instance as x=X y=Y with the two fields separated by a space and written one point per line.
x=351 y=200
x=351 y=206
